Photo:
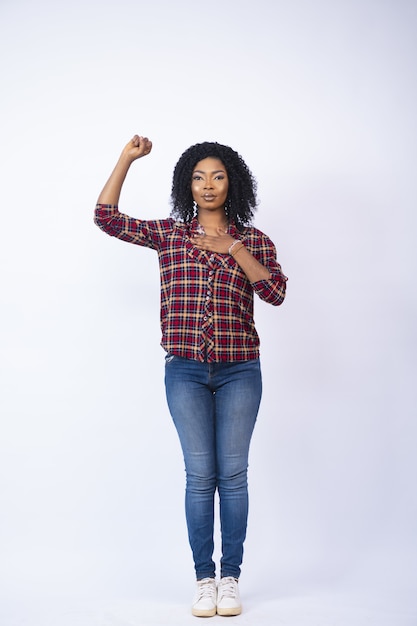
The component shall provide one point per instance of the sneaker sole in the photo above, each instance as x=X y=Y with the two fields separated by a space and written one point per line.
x=229 y=612
x=203 y=613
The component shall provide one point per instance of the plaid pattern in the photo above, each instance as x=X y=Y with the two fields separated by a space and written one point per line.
x=206 y=299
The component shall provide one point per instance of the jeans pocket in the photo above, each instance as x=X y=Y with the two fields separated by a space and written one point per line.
x=169 y=357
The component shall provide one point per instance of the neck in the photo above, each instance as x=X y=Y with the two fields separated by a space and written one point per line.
x=213 y=220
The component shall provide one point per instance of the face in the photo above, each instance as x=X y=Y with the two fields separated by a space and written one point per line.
x=210 y=184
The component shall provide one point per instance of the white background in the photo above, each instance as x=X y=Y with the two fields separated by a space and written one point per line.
x=320 y=99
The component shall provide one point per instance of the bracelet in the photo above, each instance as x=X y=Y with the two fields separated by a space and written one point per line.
x=236 y=241
x=237 y=250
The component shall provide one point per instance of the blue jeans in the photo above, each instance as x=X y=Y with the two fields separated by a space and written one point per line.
x=214 y=408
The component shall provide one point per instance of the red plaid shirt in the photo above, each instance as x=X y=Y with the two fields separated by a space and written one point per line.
x=206 y=299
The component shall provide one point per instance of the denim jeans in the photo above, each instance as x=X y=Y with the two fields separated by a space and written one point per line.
x=214 y=408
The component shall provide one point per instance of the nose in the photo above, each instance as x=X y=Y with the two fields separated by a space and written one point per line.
x=208 y=184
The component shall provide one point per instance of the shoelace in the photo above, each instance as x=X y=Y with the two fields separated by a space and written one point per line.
x=228 y=588
x=206 y=589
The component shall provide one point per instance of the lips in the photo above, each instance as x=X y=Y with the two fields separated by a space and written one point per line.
x=209 y=196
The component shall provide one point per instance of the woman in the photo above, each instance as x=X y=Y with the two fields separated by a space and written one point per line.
x=211 y=261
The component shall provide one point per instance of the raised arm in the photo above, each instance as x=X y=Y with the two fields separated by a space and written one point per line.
x=135 y=149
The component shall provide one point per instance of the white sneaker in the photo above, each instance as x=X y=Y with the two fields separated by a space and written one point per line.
x=228 y=598
x=204 y=603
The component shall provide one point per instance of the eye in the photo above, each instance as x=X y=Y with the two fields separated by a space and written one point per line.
x=196 y=177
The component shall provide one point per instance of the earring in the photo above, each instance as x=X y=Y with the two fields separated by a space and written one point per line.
x=195 y=208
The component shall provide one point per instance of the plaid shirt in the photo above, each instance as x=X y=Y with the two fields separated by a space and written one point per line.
x=206 y=299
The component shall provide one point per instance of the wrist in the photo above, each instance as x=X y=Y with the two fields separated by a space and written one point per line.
x=235 y=247
x=125 y=161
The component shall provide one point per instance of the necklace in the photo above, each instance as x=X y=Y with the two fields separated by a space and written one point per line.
x=201 y=231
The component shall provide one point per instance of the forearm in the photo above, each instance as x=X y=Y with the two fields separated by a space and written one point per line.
x=137 y=147
x=254 y=270
x=224 y=243
x=111 y=190
x=268 y=282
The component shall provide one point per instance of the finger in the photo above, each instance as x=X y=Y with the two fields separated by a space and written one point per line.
x=147 y=145
x=144 y=145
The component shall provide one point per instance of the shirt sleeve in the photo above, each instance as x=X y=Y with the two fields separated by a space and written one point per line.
x=148 y=233
x=272 y=290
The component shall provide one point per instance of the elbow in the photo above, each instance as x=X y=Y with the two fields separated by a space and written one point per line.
x=96 y=216
x=280 y=295
x=279 y=291
x=276 y=299
x=271 y=292
x=98 y=222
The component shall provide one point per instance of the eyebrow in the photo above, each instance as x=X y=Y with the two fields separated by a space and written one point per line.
x=213 y=172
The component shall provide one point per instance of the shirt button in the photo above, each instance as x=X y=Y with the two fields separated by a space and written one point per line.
x=211 y=272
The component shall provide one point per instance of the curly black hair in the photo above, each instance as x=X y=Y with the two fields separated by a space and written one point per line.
x=241 y=199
